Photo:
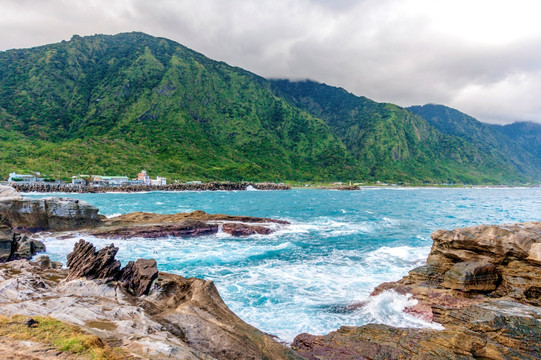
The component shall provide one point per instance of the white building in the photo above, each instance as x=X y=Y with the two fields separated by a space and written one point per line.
x=22 y=178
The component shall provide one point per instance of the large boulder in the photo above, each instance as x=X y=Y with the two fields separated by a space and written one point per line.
x=55 y=214
x=137 y=277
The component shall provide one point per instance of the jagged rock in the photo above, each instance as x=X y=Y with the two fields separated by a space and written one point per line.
x=238 y=229
x=85 y=262
x=32 y=215
x=185 y=318
x=138 y=276
x=467 y=276
x=14 y=246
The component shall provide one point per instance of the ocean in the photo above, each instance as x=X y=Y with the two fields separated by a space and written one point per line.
x=339 y=246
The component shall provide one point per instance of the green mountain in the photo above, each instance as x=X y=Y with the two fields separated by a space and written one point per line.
x=527 y=135
x=114 y=105
x=509 y=143
x=393 y=143
x=118 y=104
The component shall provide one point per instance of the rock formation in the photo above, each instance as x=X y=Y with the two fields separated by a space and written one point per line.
x=85 y=262
x=14 y=246
x=196 y=223
x=56 y=214
x=483 y=284
x=180 y=318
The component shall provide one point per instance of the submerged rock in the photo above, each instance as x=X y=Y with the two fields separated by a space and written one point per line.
x=239 y=229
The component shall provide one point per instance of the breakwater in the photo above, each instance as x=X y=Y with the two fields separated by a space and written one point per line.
x=210 y=186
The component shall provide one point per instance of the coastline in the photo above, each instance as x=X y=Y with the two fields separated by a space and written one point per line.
x=211 y=186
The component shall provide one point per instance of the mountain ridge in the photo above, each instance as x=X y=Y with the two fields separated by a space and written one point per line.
x=115 y=104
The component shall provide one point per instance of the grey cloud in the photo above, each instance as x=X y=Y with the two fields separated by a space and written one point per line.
x=379 y=49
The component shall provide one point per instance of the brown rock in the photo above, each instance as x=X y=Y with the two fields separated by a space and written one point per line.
x=467 y=276
x=482 y=283
x=137 y=277
x=14 y=246
x=238 y=229
x=196 y=223
x=183 y=228
x=85 y=262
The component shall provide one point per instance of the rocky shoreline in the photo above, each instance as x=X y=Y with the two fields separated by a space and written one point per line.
x=482 y=284
x=210 y=186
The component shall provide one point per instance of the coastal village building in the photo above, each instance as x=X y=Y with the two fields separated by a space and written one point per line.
x=100 y=180
x=146 y=180
x=24 y=178
x=80 y=180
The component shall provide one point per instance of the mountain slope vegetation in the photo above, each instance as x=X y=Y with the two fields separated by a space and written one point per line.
x=116 y=104
x=509 y=142
x=395 y=144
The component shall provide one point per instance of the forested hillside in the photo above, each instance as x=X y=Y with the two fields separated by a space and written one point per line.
x=116 y=104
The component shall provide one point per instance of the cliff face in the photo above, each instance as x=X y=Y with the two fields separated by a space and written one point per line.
x=483 y=284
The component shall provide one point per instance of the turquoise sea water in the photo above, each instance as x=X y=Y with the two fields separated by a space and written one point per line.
x=341 y=244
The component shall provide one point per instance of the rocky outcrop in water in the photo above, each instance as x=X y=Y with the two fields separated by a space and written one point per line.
x=483 y=284
x=14 y=246
x=196 y=223
x=55 y=214
x=210 y=186
x=180 y=318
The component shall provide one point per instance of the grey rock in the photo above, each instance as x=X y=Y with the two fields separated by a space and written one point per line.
x=56 y=214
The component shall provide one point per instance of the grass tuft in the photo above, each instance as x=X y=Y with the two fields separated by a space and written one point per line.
x=63 y=336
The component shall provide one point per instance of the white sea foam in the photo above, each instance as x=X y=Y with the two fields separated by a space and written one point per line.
x=388 y=308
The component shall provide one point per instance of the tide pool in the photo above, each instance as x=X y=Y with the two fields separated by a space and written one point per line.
x=339 y=246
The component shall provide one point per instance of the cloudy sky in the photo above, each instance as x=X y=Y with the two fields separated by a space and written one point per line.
x=482 y=57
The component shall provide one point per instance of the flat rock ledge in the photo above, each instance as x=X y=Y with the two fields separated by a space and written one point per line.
x=173 y=318
x=483 y=284
x=196 y=223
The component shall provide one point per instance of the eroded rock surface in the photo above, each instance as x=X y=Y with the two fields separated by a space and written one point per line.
x=85 y=262
x=483 y=284
x=196 y=223
x=180 y=318
x=55 y=214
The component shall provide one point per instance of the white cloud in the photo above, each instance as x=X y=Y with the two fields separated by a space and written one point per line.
x=483 y=57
